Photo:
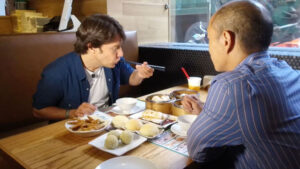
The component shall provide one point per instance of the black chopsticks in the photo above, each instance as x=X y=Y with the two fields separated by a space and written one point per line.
x=155 y=67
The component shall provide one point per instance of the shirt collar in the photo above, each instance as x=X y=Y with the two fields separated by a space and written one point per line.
x=254 y=56
x=79 y=65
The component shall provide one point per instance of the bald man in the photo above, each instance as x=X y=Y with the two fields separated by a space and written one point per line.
x=252 y=112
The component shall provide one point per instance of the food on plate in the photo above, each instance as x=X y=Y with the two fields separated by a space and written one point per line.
x=115 y=133
x=86 y=124
x=151 y=114
x=149 y=130
x=126 y=137
x=111 y=142
x=133 y=124
x=119 y=121
x=160 y=98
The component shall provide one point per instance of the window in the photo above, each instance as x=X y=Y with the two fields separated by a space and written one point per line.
x=189 y=19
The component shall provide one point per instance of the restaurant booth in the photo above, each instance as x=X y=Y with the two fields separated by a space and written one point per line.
x=23 y=58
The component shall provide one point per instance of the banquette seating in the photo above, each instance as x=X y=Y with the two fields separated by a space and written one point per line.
x=23 y=57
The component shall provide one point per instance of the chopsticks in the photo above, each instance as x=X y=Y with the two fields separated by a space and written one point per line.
x=155 y=67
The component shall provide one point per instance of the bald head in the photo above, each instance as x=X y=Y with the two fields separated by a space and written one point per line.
x=250 y=22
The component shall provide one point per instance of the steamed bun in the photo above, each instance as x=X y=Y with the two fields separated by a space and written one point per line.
x=111 y=142
x=149 y=130
x=114 y=132
x=133 y=124
x=119 y=121
x=126 y=137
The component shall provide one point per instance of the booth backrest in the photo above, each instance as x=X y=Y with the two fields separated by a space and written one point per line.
x=23 y=57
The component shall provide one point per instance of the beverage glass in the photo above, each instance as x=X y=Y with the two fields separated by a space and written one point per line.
x=194 y=83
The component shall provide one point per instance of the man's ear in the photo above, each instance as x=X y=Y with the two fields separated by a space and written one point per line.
x=91 y=48
x=228 y=39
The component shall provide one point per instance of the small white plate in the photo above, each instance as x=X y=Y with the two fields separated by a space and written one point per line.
x=169 y=119
x=176 y=129
x=122 y=148
x=126 y=162
x=161 y=130
x=140 y=106
x=96 y=115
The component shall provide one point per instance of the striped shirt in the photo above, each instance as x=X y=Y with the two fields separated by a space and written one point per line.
x=256 y=105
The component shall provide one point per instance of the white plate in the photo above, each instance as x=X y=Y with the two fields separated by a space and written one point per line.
x=140 y=106
x=96 y=115
x=122 y=148
x=126 y=162
x=176 y=129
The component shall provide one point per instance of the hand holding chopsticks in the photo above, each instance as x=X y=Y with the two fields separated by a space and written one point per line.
x=155 y=67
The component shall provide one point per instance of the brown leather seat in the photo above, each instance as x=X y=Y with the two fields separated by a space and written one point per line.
x=23 y=57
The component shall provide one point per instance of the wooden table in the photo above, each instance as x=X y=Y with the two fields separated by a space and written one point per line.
x=53 y=146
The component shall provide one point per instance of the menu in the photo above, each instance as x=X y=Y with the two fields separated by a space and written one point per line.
x=172 y=142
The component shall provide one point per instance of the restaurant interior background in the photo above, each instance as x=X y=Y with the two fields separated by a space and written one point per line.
x=158 y=20
x=170 y=33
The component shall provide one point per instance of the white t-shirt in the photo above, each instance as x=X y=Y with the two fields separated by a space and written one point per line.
x=98 y=96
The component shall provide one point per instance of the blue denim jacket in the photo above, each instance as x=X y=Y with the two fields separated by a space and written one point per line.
x=64 y=84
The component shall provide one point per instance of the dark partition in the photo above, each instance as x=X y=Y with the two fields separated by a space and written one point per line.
x=194 y=58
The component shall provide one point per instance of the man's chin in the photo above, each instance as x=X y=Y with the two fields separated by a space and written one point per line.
x=112 y=66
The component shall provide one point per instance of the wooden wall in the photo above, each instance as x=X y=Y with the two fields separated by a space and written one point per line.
x=5 y=25
x=148 y=17
x=81 y=8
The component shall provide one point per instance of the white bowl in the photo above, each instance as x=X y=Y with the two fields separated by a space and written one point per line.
x=185 y=121
x=126 y=103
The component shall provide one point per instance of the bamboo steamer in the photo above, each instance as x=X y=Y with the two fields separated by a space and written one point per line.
x=162 y=106
x=178 y=94
x=177 y=109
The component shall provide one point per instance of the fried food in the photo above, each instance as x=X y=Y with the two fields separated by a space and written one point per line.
x=86 y=124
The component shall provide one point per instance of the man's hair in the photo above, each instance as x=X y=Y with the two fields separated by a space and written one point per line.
x=97 y=30
x=249 y=21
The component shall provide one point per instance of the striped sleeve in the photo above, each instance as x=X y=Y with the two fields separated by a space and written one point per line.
x=216 y=126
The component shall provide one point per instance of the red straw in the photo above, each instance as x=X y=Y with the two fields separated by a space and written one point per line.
x=185 y=73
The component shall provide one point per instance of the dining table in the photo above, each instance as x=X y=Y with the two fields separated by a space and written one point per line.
x=53 y=146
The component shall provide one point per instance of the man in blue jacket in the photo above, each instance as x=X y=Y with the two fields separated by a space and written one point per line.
x=89 y=78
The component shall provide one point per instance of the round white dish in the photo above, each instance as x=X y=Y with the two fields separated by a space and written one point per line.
x=126 y=162
x=176 y=129
x=91 y=132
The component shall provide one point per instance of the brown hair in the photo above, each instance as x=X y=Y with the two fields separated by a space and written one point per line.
x=97 y=30
x=249 y=21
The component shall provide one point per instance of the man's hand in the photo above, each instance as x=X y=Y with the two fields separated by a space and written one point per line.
x=83 y=109
x=192 y=104
x=140 y=73
x=144 y=71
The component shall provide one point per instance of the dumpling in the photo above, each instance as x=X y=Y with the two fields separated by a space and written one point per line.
x=111 y=142
x=114 y=132
x=149 y=130
x=133 y=125
x=119 y=121
x=126 y=137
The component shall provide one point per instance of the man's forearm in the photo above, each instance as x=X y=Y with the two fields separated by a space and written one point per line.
x=53 y=113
